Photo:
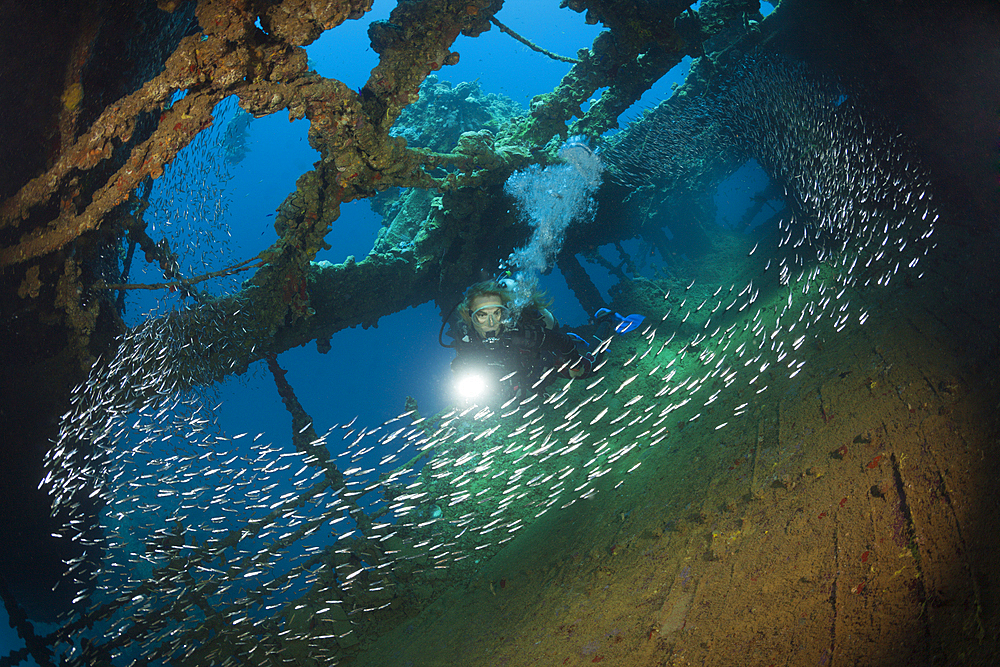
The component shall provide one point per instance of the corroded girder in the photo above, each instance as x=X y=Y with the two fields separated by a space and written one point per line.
x=415 y=41
x=268 y=72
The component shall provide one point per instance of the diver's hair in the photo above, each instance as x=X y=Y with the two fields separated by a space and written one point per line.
x=492 y=287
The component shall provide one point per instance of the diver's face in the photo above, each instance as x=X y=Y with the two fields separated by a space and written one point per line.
x=487 y=315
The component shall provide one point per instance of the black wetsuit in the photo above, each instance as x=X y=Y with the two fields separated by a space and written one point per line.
x=515 y=363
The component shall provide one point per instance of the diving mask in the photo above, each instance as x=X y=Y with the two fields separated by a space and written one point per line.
x=490 y=316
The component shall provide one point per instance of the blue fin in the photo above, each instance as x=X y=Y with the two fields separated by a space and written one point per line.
x=579 y=340
x=630 y=323
x=624 y=324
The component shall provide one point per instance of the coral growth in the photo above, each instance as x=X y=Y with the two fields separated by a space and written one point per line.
x=445 y=111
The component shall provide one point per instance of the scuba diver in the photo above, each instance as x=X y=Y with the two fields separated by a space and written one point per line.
x=501 y=358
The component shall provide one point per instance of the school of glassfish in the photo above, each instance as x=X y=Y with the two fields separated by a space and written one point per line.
x=215 y=548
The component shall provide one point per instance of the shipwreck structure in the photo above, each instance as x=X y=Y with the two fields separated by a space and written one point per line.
x=92 y=126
